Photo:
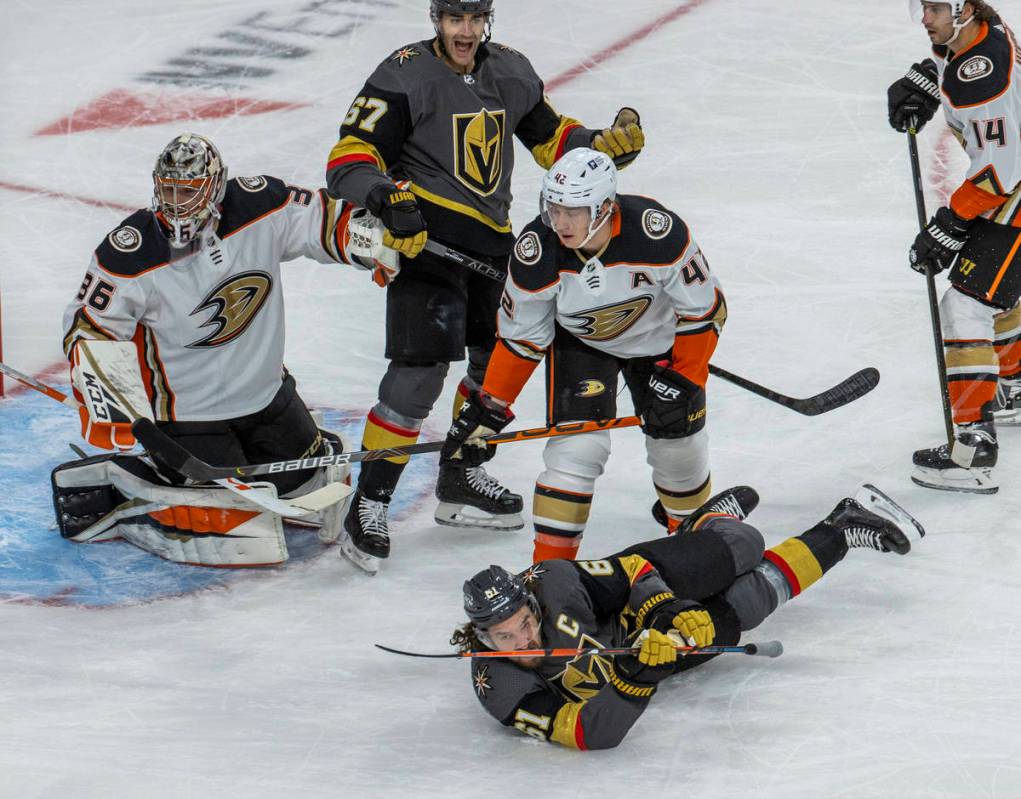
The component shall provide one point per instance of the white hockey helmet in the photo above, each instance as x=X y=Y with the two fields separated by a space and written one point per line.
x=582 y=178
x=189 y=182
x=917 y=9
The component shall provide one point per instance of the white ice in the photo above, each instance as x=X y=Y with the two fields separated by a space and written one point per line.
x=767 y=132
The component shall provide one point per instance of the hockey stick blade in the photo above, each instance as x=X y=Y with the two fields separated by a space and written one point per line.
x=769 y=649
x=854 y=387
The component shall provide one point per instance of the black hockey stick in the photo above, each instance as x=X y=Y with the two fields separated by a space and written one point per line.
x=180 y=460
x=930 y=284
x=854 y=387
x=482 y=267
x=769 y=649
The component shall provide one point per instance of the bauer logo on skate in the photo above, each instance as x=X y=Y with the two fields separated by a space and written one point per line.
x=39 y=567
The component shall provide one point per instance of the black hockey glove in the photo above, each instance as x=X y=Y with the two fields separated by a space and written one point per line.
x=465 y=444
x=940 y=242
x=398 y=210
x=676 y=406
x=913 y=99
x=655 y=660
x=688 y=618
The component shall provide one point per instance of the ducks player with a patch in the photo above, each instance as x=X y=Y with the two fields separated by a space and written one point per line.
x=709 y=583
x=180 y=317
x=972 y=74
x=602 y=285
x=428 y=146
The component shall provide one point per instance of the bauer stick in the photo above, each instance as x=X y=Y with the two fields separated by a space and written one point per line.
x=300 y=506
x=769 y=649
x=930 y=284
x=857 y=385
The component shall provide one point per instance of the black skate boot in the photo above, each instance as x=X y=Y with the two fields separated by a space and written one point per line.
x=1008 y=400
x=969 y=468
x=738 y=502
x=469 y=497
x=863 y=529
x=366 y=538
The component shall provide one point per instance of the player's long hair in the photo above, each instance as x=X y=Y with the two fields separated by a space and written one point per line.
x=983 y=11
x=465 y=639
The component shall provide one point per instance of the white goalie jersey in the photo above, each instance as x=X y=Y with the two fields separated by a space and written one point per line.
x=208 y=322
x=982 y=105
x=650 y=285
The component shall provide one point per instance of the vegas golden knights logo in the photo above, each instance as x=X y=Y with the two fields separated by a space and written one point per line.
x=609 y=321
x=584 y=676
x=232 y=307
x=478 y=150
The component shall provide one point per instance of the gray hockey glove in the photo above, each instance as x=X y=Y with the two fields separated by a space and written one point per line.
x=914 y=98
x=465 y=442
x=676 y=406
x=398 y=209
x=940 y=242
x=623 y=140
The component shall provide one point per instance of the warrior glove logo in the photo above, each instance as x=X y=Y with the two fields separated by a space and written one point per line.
x=233 y=304
x=478 y=150
x=608 y=321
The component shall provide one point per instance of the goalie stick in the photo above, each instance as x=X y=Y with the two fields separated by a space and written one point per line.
x=769 y=649
x=312 y=502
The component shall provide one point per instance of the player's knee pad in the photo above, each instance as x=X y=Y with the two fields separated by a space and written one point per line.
x=122 y=496
x=756 y=594
x=411 y=389
x=964 y=318
x=679 y=464
x=745 y=543
x=575 y=461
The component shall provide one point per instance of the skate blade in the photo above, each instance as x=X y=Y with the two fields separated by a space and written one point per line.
x=365 y=562
x=879 y=503
x=450 y=514
x=1007 y=418
x=966 y=481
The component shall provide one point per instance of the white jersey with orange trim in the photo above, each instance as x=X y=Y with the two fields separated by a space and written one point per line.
x=982 y=105
x=208 y=322
x=649 y=285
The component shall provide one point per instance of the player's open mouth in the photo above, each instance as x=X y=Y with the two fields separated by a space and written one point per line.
x=463 y=48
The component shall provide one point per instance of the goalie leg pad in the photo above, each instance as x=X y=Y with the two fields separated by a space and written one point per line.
x=207 y=526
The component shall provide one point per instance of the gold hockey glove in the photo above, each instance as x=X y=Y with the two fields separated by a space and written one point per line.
x=696 y=626
x=398 y=209
x=623 y=140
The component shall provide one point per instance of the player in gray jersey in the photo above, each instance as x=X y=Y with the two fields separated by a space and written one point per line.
x=973 y=75
x=427 y=146
x=190 y=291
x=707 y=584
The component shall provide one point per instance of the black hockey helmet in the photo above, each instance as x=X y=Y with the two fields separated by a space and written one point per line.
x=465 y=7
x=494 y=595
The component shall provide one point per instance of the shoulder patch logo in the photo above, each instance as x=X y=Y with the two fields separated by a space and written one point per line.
x=126 y=239
x=253 y=184
x=528 y=249
x=656 y=224
x=404 y=54
x=975 y=68
x=232 y=306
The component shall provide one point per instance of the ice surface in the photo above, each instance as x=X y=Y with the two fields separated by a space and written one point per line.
x=767 y=132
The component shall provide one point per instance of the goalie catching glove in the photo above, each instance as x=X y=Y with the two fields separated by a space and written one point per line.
x=479 y=417
x=398 y=210
x=365 y=246
x=912 y=100
x=623 y=140
x=676 y=406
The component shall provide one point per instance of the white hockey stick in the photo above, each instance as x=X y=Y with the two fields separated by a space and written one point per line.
x=312 y=502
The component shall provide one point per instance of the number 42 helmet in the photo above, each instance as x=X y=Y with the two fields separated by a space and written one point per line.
x=582 y=178
x=189 y=182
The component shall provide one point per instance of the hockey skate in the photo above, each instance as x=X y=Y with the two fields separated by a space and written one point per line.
x=1008 y=398
x=366 y=538
x=738 y=502
x=864 y=529
x=469 y=497
x=969 y=468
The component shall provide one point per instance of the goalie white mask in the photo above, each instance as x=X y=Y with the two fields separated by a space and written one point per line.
x=189 y=182
x=582 y=178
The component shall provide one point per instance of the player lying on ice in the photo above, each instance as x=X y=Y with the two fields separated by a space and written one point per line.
x=180 y=319
x=709 y=582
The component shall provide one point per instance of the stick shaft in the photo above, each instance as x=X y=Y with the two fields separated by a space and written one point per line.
x=766 y=648
x=930 y=285
x=52 y=393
